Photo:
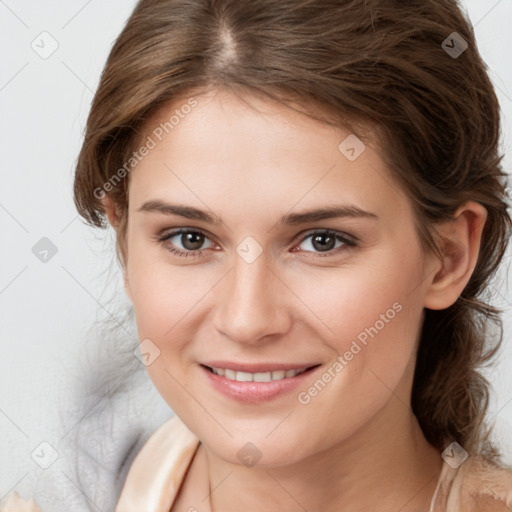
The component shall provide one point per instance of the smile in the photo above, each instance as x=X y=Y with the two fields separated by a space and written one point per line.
x=255 y=383
x=256 y=377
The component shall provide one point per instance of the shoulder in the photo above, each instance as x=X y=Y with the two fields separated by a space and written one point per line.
x=13 y=503
x=157 y=471
x=484 y=486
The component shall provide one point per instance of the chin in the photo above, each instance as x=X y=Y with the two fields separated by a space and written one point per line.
x=256 y=448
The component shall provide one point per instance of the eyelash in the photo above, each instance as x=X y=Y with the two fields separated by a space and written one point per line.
x=349 y=242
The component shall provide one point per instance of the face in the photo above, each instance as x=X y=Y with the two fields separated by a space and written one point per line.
x=276 y=275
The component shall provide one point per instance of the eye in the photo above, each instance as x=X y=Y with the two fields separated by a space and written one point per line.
x=326 y=241
x=186 y=242
x=191 y=243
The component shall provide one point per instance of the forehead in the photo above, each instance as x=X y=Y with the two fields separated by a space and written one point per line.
x=258 y=153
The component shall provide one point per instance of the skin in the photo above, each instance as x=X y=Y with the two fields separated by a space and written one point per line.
x=356 y=445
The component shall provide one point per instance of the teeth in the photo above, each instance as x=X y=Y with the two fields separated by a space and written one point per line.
x=243 y=377
x=262 y=377
x=256 y=377
x=229 y=374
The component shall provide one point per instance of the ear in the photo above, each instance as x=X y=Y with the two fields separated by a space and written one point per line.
x=460 y=239
x=111 y=210
x=112 y=213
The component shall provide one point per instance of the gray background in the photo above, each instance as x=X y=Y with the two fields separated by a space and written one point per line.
x=50 y=310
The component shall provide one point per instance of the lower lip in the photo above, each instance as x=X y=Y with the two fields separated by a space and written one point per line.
x=255 y=392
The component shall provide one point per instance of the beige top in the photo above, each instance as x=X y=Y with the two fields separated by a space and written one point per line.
x=159 y=469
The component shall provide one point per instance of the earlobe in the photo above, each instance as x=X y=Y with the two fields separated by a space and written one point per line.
x=459 y=245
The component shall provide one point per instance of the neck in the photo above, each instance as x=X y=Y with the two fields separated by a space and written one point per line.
x=386 y=465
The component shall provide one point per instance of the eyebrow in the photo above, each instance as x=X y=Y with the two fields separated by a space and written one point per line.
x=329 y=212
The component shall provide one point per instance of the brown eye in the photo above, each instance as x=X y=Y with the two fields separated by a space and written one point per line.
x=186 y=241
x=325 y=242
x=192 y=240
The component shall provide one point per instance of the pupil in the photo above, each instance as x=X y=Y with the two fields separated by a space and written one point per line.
x=323 y=242
x=192 y=241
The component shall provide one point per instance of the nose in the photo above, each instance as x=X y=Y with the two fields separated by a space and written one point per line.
x=252 y=303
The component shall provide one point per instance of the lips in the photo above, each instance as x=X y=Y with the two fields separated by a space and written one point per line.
x=255 y=383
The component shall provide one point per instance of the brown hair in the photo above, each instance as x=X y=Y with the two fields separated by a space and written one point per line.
x=380 y=62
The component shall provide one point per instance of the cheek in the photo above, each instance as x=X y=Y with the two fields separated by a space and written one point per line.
x=374 y=322
x=371 y=317
x=165 y=298
x=380 y=293
x=163 y=293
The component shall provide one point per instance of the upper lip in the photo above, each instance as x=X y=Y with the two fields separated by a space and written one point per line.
x=258 y=367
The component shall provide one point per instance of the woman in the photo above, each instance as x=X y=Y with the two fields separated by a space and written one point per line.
x=309 y=203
